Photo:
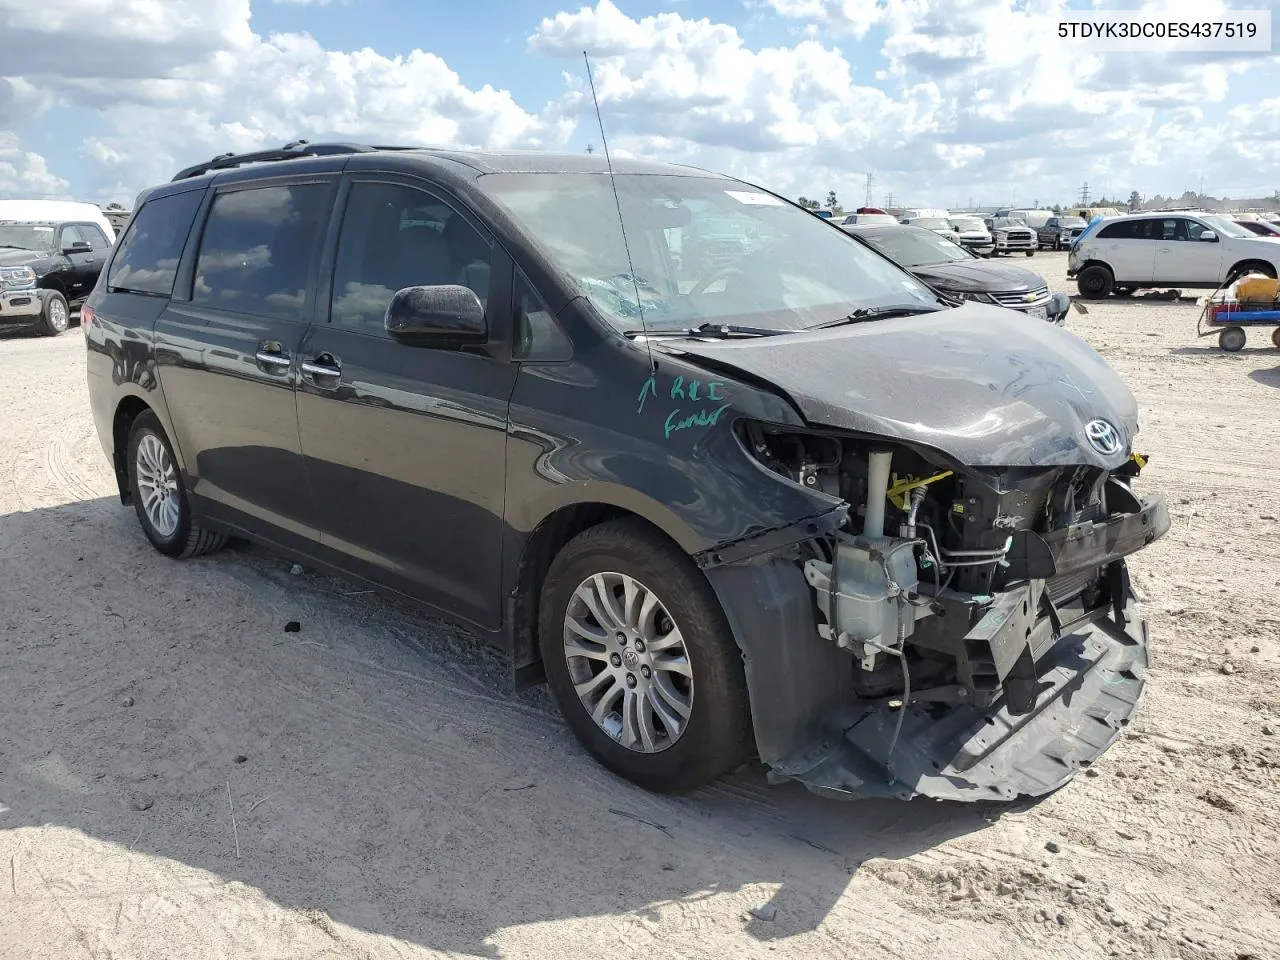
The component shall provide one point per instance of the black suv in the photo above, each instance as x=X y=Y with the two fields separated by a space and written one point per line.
x=47 y=267
x=784 y=502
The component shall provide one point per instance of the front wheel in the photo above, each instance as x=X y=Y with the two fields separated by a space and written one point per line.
x=156 y=488
x=55 y=316
x=641 y=660
x=1095 y=282
x=1031 y=253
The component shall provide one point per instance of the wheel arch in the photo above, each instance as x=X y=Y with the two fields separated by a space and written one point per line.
x=127 y=410
x=539 y=549
x=1253 y=263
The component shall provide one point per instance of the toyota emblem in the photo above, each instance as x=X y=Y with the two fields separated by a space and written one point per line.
x=1103 y=437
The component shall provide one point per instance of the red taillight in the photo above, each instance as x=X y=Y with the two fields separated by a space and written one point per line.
x=86 y=318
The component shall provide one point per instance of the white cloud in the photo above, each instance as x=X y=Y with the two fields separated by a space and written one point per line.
x=943 y=99
x=966 y=97
x=200 y=82
x=26 y=175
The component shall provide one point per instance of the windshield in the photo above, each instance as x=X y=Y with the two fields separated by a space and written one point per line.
x=968 y=223
x=1007 y=222
x=912 y=246
x=1225 y=228
x=704 y=250
x=931 y=223
x=1071 y=222
x=26 y=236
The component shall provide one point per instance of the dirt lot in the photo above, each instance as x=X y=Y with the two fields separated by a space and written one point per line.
x=392 y=798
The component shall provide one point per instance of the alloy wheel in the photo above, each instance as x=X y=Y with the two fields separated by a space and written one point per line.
x=158 y=485
x=628 y=662
x=58 y=314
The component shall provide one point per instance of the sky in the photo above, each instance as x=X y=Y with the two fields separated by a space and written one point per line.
x=942 y=102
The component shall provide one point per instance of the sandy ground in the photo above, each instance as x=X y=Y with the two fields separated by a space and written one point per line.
x=393 y=799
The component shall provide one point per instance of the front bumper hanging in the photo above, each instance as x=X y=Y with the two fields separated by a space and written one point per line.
x=1090 y=682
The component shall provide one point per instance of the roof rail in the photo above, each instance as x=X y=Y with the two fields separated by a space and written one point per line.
x=290 y=151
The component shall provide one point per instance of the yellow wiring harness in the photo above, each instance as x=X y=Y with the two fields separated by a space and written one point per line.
x=900 y=488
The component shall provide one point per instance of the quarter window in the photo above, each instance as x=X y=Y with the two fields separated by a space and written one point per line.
x=538 y=333
x=394 y=236
x=258 y=248
x=147 y=256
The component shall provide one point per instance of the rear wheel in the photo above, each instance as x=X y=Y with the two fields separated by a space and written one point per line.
x=55 y=316
x=1095 y=282
x=161 y=503
x=1275 y=337
x=1232 y=339
x=640 y=658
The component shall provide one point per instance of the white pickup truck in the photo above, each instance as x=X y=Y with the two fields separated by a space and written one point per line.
x=1196 y=250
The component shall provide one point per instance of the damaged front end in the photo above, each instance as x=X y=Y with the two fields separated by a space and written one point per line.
x=954 y=632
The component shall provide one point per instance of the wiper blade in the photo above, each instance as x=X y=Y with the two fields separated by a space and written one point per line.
x=721 y=330
x=876 y=313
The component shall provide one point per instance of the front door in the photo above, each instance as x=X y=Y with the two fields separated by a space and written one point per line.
x=1183 y=257
x=82 y=263
x=405 y=446
x=228 y=355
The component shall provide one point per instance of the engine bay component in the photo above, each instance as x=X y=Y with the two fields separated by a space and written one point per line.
x=867 y=602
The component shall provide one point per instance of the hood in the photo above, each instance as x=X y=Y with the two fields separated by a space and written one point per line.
x=978 y=275
x=977 y=383
x=20 y=258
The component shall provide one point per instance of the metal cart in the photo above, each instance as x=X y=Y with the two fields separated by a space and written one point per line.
x=1229 y=318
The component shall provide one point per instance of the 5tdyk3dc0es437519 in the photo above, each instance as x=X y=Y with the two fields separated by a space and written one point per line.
x=735 y=483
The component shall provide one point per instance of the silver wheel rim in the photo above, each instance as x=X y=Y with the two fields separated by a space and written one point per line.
x=157 y=485
x=628 y=662
x=57 y=314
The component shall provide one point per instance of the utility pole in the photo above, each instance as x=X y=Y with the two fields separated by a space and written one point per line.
x=889 y=203
x=1084 y=194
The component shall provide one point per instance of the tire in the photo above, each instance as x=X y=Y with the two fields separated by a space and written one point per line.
x=55 y=315
x=1031 y=253
x=1275 y=337
x=708 y=682
x=1232 y=339
x=1095 y=282
x=171 y=530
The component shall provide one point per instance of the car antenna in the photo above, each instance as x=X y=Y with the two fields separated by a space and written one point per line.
x=653 y=364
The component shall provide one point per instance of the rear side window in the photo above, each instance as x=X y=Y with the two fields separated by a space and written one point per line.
x=146 y=259
x=258 y=248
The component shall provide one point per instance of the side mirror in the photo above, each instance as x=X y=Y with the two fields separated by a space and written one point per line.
x=1208 y=237
x=77 y=246
x=446 y=315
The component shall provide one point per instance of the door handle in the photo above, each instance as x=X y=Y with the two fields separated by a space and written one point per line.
x=272 y=361
x=324 y=365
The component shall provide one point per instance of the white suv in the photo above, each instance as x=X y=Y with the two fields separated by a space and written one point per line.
x=1166 y=250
